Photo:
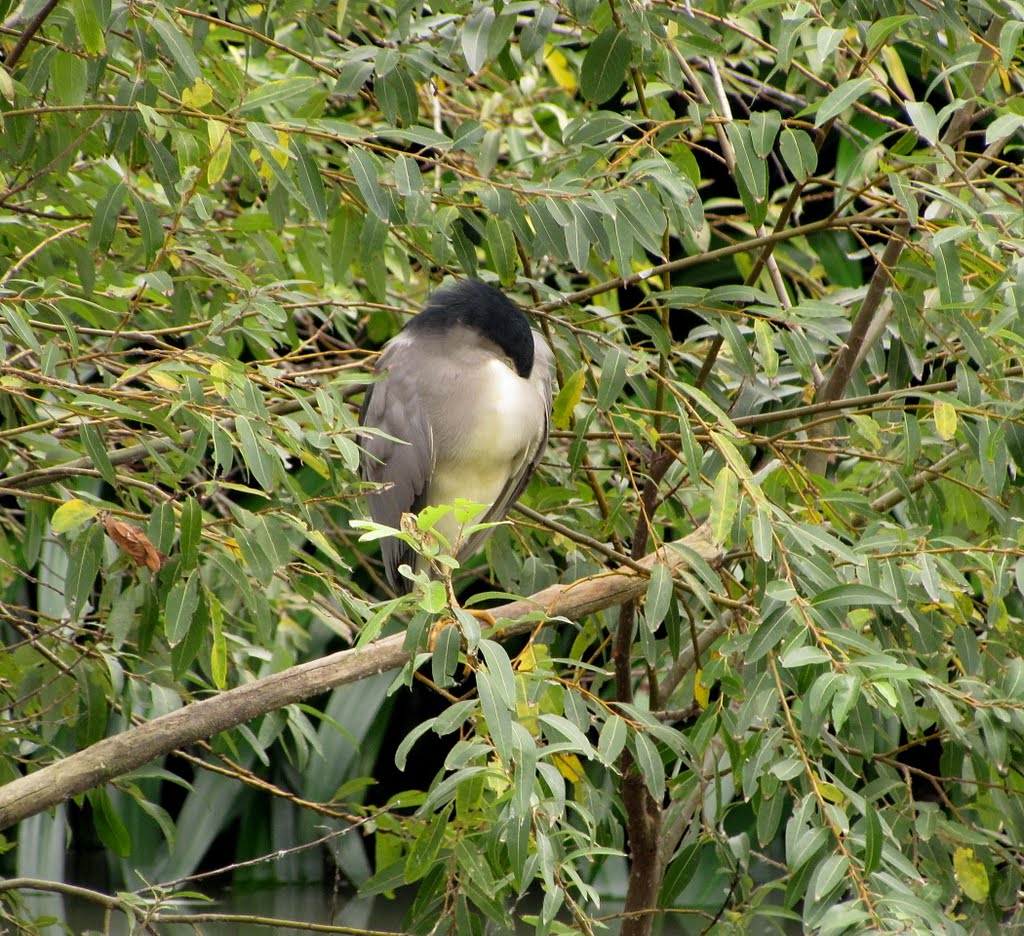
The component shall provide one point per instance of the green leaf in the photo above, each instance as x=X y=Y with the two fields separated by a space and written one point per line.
x=364 y=171
x=104 y=221
x=111 y=829
x=264 y=466
x=150 y=227
x=475 y=31
x=500 y=668
x=948 y=274
x=182 y=601
x=798 y=151
x=283 y=91
x=83 y=566
x=872 y=839
x=764 y=128
x=497 y=714
x=501 y=245
x=724 y=504
x=219 y=136
x=838 y=100
x=177 y=48
x=445 y=658
x=660 y=592
x=648 y=760
x=613 y=378
x=87 y=19
x=829 y=874
x=852 y=596
x=752 y=168
x=424 y=850
x=310 y=183
x=605 y=65
x=612 y=739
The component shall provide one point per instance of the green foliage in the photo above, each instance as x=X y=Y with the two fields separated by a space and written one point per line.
x=777 y=251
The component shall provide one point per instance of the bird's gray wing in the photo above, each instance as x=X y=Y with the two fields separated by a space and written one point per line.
x=541 y=378
x=401 y=464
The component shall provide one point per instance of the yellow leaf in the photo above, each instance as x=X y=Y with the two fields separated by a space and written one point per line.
x=724 y=503
x=164 y=380
x=72 y=514
x=897 y=73
x=701 y=693
x=944 y=415
x=220 y=150
x=568 y=397
x=199 y=95
x=970 y=874
x=281 y=154
x=831 y=792
x=558 y=66
x=569 y=766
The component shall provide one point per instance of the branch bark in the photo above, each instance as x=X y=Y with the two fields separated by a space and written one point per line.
x=117 y=755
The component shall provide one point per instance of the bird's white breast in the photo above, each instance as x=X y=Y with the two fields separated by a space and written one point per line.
x=502 y=427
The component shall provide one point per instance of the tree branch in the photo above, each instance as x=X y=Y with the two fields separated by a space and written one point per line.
x=115 y=756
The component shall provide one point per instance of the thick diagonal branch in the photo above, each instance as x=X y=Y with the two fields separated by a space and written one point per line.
x=115 y=756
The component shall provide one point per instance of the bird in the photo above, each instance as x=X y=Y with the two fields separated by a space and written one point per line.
x=462 y=402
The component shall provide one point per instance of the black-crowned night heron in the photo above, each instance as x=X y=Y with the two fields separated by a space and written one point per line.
x=466 y=388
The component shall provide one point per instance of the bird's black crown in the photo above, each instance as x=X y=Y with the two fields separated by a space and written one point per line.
x=486 y=310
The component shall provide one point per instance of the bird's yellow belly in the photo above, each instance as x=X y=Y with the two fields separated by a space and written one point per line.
x=497 y=440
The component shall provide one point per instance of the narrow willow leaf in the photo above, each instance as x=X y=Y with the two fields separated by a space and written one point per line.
x=798 y=151
x=838 y=100
x=92 y=442
x=104 y=221
x=764 y=542
x=364 y=171
x=724 y=504
x=426 y=846
x=660 y=590
x=83 y=567
x=752 y=168
x=499 y=719
x=648 y=760
x=829 y=873
x=925 y=121
x=90 y=29
x=500 y=668
x=764 y=128
x=220 y=150
x=613 y=378
x=949 y=274
x=474 y=36
x=605 y=64
x=177 y=48
x=191 y=532
x=150 y=228
x=218 y=648
x=109 y=826
x=310 y=183
x=501 y=245
x=567 y=399
x=872 y=839
x=258 y=460
x=284 y=91
x=612 y=739
x=182 y=601
x=852 y=596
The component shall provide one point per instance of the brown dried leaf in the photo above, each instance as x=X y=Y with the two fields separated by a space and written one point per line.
x=134 y=543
